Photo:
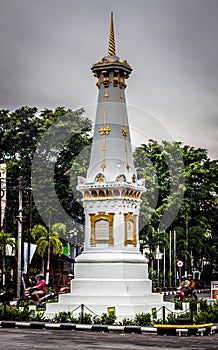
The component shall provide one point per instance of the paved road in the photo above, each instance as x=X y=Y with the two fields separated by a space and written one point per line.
x=22 y=339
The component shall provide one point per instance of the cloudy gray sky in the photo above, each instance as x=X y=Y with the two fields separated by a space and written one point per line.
x=48 y=46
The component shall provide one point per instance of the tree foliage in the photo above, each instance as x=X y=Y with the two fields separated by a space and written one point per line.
x=22 y=139
x=45 y=237
x=47 y=240
x=197 y=218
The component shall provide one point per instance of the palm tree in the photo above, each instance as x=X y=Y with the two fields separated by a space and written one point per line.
x=6 y=239
x=47 y=239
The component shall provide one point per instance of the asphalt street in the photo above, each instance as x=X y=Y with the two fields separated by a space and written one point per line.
x=21 y=339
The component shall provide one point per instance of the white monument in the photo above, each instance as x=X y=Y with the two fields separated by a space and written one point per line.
x=111 y=271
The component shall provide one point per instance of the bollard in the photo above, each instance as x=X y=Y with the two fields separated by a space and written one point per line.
x=82 y=313
x=192 y=314
x=5 y=309
x=164 y=313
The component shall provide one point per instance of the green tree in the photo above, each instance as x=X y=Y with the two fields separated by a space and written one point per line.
x=196 y=198
x=21 y=133
x=47 y=239
x=198 y=215
x=163 y=170
x=52 y=176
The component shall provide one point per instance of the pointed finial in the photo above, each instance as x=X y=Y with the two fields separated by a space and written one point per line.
x=111 y=43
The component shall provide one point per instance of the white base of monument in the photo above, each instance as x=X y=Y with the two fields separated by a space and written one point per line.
x=100 y=285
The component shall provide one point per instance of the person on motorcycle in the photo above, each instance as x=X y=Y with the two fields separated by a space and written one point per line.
x=39 y=290
x=191 y=285
x=184 y=283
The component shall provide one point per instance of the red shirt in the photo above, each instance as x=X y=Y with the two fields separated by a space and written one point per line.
x=41 y=285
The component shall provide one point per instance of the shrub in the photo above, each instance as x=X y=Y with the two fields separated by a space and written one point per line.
x=108 y=319
x=85 y=318
x=142 y=319
x=178 y=305
x=126 y=322
x=7 y=313
x=96 y=320
x=16 y=314
x=64 y=317
x=203 y=304
x=171 y=318
x=209 y=315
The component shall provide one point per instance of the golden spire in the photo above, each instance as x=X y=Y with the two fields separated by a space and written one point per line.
x=111 y=43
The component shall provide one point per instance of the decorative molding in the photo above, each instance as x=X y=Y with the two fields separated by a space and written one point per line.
x=124 y=132
x=100 y=178
x=134 y=178
x=126 y=193
x=121 y=178
x=111 y=75
x=103 y=166
x=105 y=61
x=105 y=130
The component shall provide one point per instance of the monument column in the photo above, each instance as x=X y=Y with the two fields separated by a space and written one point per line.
x=111 y=190
x=111 y=271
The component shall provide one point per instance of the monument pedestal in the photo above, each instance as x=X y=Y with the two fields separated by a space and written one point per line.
x=100 y=285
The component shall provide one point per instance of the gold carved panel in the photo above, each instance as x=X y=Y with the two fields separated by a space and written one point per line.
x=130 y=229
x=102 y=231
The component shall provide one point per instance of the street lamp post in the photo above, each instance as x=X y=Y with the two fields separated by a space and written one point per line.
x=74 y=234
x=170 y=261
x=174 y=256
x=29 y=232
x=19 y=237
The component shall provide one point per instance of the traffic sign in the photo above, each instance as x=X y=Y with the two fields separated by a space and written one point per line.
x=179 y=263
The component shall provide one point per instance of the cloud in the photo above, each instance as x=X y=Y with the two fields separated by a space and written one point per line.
x=48 y=47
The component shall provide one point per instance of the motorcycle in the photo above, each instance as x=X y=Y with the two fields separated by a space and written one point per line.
x=48 y=296
x=53 y=296
x=182 y=295
x=27 y=295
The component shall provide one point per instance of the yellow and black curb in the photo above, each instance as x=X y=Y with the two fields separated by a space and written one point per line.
x=157 y=329
x=189 y=329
